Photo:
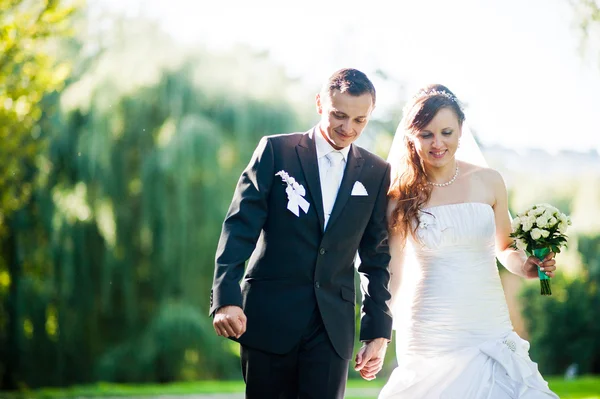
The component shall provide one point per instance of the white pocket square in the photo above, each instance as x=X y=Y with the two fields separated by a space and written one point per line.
x=359 y=190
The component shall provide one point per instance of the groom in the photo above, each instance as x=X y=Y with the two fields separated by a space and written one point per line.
x=303 y=207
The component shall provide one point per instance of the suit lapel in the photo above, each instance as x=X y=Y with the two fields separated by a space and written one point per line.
x=351 y=174
x=307 y=153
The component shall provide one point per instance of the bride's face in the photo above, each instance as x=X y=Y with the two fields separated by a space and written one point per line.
x=437 y=143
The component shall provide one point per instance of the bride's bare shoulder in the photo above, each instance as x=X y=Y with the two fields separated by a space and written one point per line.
x=479 y=171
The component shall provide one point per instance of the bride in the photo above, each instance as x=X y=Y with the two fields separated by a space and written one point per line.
x=449 y=221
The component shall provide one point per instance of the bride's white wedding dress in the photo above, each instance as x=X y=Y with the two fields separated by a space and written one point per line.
x=454 y=336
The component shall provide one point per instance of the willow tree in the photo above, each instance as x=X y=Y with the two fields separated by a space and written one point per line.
x=156 y=167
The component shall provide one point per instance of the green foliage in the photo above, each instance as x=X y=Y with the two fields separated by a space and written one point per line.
x=28 y=33
x=563 y=328
x=587 y=14
x=173 y=347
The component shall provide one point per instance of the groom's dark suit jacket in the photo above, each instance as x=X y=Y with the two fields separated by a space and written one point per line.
x=295 y=266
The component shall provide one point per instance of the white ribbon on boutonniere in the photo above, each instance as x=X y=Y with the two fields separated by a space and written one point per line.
x=295 y=193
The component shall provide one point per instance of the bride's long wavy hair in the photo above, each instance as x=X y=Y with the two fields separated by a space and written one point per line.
x=409 y=185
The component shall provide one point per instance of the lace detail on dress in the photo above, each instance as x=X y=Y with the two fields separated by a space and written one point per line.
x=429 y=231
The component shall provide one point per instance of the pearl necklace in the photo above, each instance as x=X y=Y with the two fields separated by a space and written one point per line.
x=448 y=182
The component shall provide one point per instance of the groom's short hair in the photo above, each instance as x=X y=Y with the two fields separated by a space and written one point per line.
x=351 y=81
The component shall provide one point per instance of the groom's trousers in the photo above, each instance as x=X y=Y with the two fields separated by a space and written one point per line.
x=312 y=370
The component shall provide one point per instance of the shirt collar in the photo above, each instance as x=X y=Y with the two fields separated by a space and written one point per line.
x=324 y=148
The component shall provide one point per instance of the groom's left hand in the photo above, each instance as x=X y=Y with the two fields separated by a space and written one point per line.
x=369 y=359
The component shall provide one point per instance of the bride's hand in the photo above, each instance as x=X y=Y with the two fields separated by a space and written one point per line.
x=547 y=265
x=369 y=359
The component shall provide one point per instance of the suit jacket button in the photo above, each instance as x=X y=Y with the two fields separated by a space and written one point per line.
x=322 y=251
x=317 y=284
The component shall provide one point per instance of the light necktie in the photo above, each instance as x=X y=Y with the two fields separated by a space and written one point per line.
x=332 y=181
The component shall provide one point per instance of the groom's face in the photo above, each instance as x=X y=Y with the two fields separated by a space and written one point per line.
x=343 y=116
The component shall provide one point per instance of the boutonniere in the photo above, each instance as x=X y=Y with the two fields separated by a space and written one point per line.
x=295 y=193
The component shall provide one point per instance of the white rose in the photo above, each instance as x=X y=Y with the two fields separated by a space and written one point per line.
x=552 y=222
x=545 y=233
x=538 y=211
x=542 y=221
x=521 y=244
x=536 y=234
x=550 y=208
x=562 y=227
x=527 y=224
x=516 y=223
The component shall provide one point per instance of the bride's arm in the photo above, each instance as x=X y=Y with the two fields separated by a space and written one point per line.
x=516 y=261
x=396 y=247
x=512 y=259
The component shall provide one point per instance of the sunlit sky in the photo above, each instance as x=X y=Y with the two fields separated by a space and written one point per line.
x=516 y=63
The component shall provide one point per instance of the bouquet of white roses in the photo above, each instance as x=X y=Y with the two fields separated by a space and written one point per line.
x=539 y=230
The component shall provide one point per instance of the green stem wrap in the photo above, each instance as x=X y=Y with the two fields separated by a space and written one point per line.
x=541 y=253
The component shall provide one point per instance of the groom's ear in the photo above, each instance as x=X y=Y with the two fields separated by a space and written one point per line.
x=319 y=105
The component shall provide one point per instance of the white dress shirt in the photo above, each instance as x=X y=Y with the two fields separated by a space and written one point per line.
x=323 y=149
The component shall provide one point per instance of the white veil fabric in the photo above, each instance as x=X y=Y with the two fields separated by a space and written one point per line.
x=469 y=150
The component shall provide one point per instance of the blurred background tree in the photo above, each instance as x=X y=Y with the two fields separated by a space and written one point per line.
x=28 y=36
x=28 y=72
x=587 y=14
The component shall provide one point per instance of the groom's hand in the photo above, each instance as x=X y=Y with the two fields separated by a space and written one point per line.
x=369 y=359
x=230 y=321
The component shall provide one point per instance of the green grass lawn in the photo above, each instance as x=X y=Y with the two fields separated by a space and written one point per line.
x=582 y=388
